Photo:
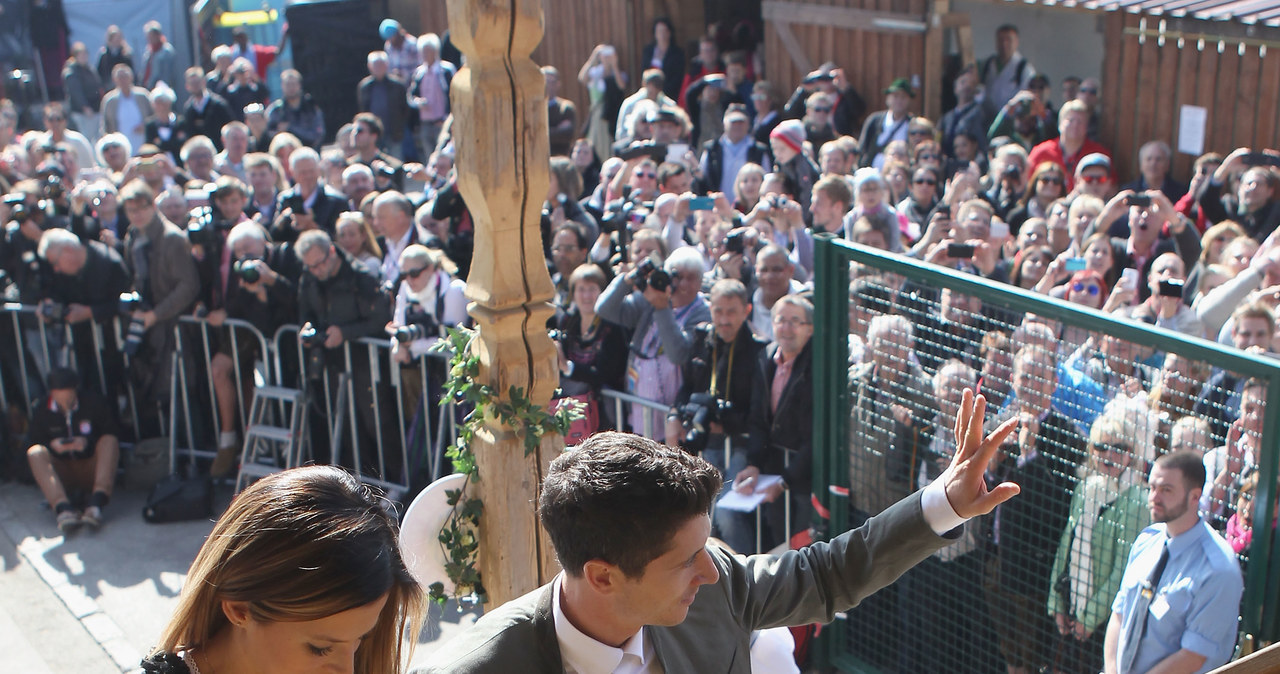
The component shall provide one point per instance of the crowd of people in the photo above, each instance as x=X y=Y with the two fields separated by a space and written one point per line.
x=678 y=228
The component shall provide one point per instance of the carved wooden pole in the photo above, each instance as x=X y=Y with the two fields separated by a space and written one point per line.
x=500 y=135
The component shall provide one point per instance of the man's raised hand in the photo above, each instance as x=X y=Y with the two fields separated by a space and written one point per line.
x=964 y=480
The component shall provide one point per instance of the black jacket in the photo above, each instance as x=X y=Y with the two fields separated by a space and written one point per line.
x=281 y=306
x=329 y=204
x=846 y=117
x=714 y=152
x=207 y=122
x=353 y=300
x=91 y=419
x=673 y=67
x=870 y=134
x=397 y=120
x=1217 y=207
x=735 y=373
x=772 y=434
x=98 y=285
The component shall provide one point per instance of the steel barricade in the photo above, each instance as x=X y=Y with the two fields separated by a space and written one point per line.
x=47 y=355
x=236 y=331
x=618 y=398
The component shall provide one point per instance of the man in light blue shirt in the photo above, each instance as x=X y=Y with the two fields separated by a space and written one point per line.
x=1179 y=601
x=723 y=157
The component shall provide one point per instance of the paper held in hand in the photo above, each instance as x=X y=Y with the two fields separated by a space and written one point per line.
x=736 y=500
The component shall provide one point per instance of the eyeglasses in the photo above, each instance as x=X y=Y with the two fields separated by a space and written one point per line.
x=790 y=322
x=645 y=174
x=924 y=181
x=414 y=273
x=1052 y=180
x=1094 y=180
x=319 y=263
x=759 y=97
x=1081 y=287
x=918 y=132
x=58 y=118
x=563 y=249
x=1110 y=448
x=1088 y=90
x=926 y=156
x=360 y=129
x=824 y=109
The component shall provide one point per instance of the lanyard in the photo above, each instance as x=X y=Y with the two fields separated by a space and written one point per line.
x=715 y=362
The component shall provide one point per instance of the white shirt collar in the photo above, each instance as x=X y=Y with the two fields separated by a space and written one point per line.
x=583 y=655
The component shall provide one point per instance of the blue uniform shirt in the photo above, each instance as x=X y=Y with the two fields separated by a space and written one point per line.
x=1197 y=603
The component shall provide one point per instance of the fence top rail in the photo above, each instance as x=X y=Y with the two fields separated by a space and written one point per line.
x=633 y=399
x=1051 y=308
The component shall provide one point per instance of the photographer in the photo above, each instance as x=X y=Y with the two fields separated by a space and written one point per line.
x=208 y=230
x=591 y=350
x=28 y=271
x=341 y=301
x=166 y=282
x=367 y=138
x=74 y=446
x=96 y=215
x=428 y=300
x=715 y=394
x=261 y=289
x=85 y=288
x=662 y=316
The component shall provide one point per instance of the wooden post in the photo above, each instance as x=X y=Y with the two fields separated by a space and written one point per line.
x=934 y=59
x=500 y=136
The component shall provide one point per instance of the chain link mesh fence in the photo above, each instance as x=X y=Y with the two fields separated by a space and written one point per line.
x=1030 y=586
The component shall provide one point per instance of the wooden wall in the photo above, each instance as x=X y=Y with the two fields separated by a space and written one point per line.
x=871 y=59
x=1145 y=84
x=575 y=27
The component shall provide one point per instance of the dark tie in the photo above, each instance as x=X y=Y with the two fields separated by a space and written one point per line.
x=1137 y=621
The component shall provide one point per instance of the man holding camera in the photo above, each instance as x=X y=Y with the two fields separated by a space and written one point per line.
x=85 y=287
x=367 y=139
x=662 y=316
x=1254 y=205
x=74 y=445
x=716 y=392
x=340 y=301
x=261 y=288
x=166 y=283
x=309 y=204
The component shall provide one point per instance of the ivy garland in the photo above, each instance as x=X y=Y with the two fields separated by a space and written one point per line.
x=459 y=537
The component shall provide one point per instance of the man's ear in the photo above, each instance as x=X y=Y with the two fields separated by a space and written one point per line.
x=237 y=612
x=602 y=577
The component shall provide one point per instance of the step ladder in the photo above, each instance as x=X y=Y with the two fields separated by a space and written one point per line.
x=270 y=449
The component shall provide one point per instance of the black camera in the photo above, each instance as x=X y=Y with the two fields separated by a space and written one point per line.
x=1171 y=287
x=1023 y=109
x=388 y=172
x=408 y=333
x=53 y=187
x=960 y=251
x=53 y=312
x=697 y=415
x=247 y=270
x=312 y=339
x=296 y=203
x=648 y=275
x=1139 y=200
x=313 y=336
x=1012 y=171
x=644 y=148
x=555 y=335
x=17 y=203
x=131 y=302
x=736 y=242
x=202 y=229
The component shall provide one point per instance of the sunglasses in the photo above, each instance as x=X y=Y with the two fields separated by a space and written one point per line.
x=1052 y=180
x=822 y=109
x=414 y=273
x=1094 y=180
x=924 y=181
x=1081 y=287
x=645 y=174
x=918 y=132
x=1088 y=90
x=56 y=119
x=1109 y=448
x=925 y=156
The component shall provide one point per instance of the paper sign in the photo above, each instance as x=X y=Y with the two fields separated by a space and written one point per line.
x=1191 y=123
x=745 y=503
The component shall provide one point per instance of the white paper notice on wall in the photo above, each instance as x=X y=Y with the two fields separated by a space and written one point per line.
x=1191 y=124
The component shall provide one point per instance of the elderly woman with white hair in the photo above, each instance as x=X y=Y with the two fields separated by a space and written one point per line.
x=871 y=200
x=429 y=299
x=163 y=129
x=1108 y=510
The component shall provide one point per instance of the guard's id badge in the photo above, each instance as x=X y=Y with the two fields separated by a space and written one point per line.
x=1159 y=607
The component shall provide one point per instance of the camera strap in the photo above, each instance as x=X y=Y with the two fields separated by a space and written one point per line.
x=715 y=365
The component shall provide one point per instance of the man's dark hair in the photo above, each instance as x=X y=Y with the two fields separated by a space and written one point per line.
x=621 y=498
x=579 y=234
x=1073 y=79
x=668 y=170
x=1007 y=28
x=1187 y=462
x=370 y=120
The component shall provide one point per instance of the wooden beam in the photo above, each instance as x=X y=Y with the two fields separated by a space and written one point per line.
x=799 y=59
x=1260 y=662
x=843 y=17
x=934 y=60
x=500 y=134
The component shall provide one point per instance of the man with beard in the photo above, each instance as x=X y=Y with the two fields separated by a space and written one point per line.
x=1179 y=600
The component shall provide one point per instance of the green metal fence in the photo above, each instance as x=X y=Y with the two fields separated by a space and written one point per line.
x=858 y=643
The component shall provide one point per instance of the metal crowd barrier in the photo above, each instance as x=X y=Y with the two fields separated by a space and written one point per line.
x=41 y=344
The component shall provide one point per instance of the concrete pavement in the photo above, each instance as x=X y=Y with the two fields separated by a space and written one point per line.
x=95 y=601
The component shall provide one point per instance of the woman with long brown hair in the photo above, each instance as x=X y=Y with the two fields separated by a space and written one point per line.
x=302 y=573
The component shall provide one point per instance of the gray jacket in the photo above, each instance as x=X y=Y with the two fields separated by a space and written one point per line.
x=752 y=593
x=621 y=304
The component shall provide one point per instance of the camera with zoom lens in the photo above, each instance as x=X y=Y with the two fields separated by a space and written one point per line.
x=648 y=275
x=247 y=270
x=418 y=324
x=312 y=339
x=697 y=415
x=53 y=187
x=555 y=334
x=131 y=303
x=17 y=203
x=53 y=312
x=201 y=228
